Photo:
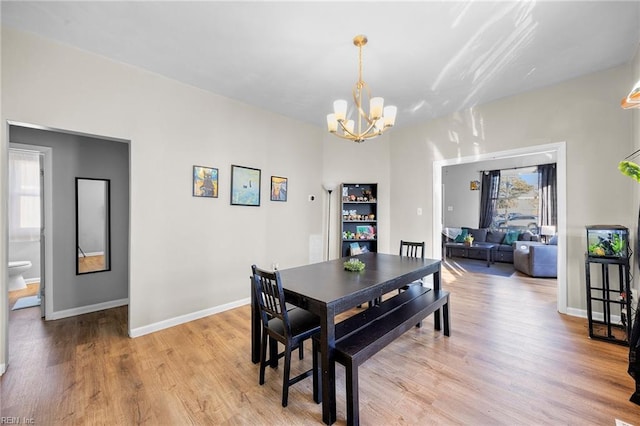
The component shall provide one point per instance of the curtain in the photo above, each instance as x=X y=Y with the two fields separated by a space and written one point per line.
x=489 y=197
x=547 y=193
x=24 y=195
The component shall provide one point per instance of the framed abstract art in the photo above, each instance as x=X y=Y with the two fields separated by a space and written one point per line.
x=205 y=182
x=245 y=186
x=279 y=188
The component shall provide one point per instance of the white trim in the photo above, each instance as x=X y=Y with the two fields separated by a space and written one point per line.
x=94 y=253
x=68 y=132
x=87 y=309
x=32 y=280
x=48 y=218
x=182 y=319
x=3 y=369
x=561 y=173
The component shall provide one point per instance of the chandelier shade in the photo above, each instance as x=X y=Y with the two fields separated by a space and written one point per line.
x=632 y=100
x=366 y=125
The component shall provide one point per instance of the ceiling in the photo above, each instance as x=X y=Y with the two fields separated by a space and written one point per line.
x=294 y=58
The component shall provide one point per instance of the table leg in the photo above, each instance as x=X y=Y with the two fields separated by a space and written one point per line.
x=327 y=344
x=488 y=257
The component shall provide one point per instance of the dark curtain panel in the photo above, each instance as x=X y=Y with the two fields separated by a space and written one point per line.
x=488 y=197
x=548 y=194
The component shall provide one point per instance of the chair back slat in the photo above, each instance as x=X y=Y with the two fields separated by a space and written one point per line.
x=270 y=296
x=412 y=249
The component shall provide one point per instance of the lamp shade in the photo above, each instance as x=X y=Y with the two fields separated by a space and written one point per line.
x=547 y=230
x=329 y=186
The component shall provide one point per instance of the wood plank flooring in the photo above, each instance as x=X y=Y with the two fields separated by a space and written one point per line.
x=511 y=360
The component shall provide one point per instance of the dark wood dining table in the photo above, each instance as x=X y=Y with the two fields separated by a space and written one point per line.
x=327 y=289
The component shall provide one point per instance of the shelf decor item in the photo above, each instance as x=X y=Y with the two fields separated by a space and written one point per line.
x=205 y=182
x=279 y=188
x=354 y=265
x=245 y=186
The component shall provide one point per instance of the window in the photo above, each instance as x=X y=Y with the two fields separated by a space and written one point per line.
x=24 y=195
x=517 y=201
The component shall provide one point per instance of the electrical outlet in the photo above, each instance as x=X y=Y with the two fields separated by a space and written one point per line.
x=449 y=208
x=419 y=211
x=312 y=197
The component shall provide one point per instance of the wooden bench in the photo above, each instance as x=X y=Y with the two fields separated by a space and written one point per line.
x=361 y=336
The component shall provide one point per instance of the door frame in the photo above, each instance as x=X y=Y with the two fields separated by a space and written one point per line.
x=47 y=220
x=560 y=151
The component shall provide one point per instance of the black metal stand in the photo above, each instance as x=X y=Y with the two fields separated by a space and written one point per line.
x=611 y=299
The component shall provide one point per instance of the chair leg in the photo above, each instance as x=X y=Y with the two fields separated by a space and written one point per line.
x=263 y=356
x=273 y=353
x=301 y=350
x=285 y=378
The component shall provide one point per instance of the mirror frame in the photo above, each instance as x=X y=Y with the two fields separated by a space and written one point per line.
x=108 y=226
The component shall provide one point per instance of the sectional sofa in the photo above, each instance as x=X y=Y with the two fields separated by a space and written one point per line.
x=504 y=240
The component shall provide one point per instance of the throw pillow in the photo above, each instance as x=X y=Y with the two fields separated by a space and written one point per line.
x=460 y=237
x=495 y=237
x=553 y=241
x=511 y=237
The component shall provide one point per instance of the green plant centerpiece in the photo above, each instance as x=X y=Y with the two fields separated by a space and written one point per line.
x=354 y=265
x=468 y=240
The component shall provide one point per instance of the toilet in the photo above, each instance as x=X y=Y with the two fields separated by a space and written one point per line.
x=16 y=269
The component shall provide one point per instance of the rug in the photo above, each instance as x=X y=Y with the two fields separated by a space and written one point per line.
x=26 y=302
x=459 y=265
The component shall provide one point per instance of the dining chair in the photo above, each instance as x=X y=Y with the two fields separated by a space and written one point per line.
x=289 y=327
x=411 y=249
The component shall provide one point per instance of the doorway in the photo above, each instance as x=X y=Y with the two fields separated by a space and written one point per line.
x=559 y=150
x=30 y=210
x=86 y=156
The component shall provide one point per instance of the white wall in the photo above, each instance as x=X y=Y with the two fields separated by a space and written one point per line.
x=188 y=255
x=584 y=112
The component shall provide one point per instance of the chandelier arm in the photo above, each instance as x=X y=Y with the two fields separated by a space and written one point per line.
x=359 y=135
x=357 y=99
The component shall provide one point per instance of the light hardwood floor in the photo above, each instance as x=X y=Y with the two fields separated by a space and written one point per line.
x=511 y=360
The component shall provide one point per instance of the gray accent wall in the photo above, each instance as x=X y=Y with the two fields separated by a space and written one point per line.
x=80 y=156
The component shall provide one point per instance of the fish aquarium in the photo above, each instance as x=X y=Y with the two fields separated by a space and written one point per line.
x=607 y=241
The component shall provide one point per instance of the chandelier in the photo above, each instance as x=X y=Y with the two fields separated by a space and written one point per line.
x=369 y=125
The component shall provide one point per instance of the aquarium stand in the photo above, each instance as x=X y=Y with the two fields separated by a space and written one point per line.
x=609 y=298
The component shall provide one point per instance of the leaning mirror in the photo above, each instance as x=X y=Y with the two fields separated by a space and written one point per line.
x=93 y=242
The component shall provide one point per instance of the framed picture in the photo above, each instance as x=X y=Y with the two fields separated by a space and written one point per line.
x=279 y=188
x=474 y=185
x=245 y=186
x=205 y=182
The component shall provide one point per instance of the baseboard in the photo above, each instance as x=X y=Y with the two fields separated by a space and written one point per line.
x=87 y=309
x=581 y=313
x=598 y=316
x=32 y=280
x=182 y=319
x=3 y=369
